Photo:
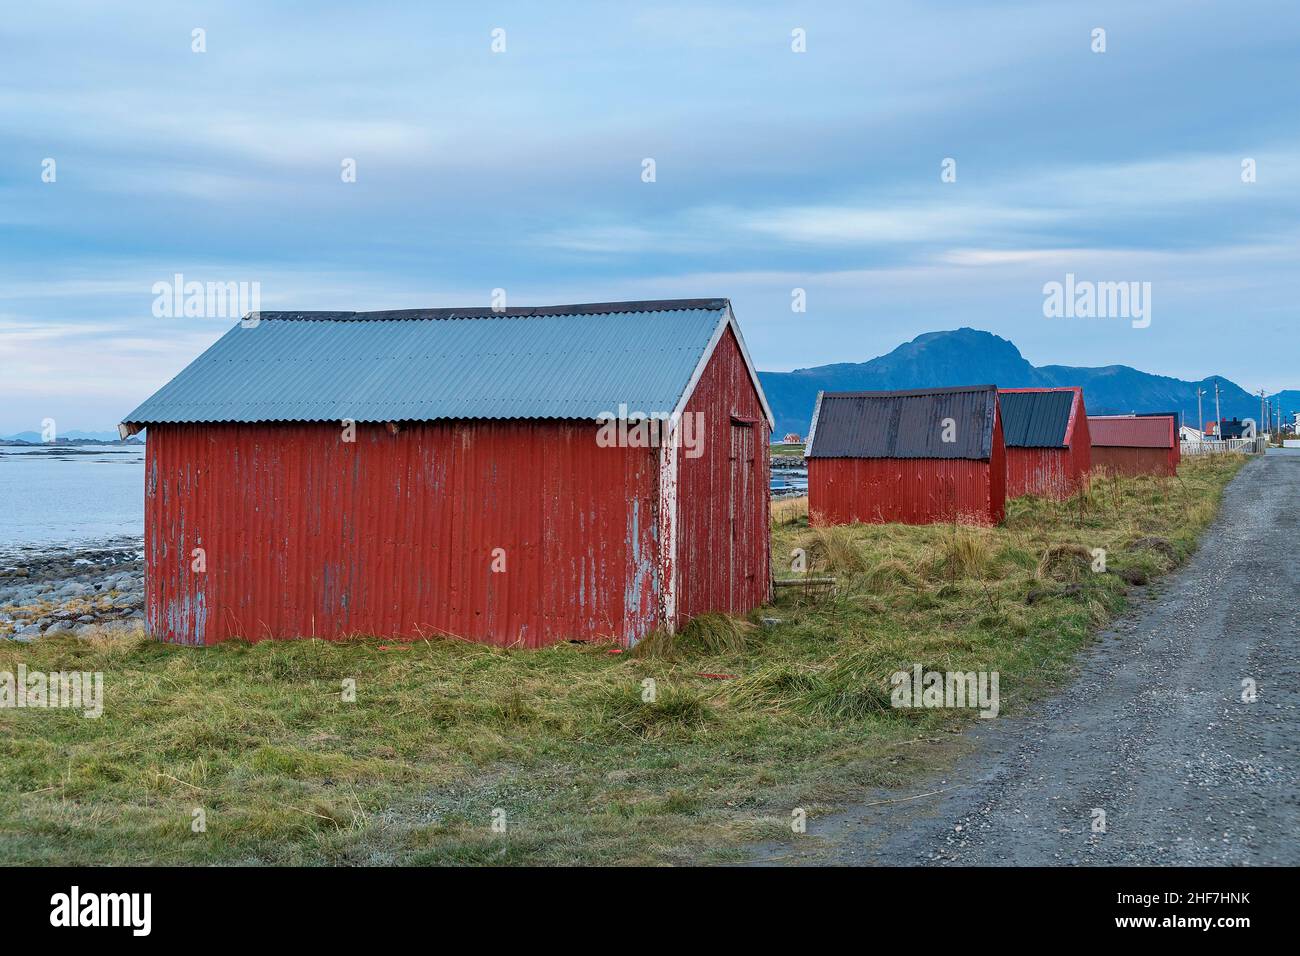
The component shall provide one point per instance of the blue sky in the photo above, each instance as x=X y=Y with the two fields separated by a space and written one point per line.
x=774 y=170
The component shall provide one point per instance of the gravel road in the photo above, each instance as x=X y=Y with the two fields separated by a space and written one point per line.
x=1154 y=731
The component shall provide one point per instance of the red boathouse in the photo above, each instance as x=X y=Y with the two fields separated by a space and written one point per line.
x=515 y=477
x=914 y=457
x=1135 y=444
x=1049 y=449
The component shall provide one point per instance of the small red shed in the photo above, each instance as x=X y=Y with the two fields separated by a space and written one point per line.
x=1049 y=449
x=914 y=457
x=1135 y=444
x=516 y=477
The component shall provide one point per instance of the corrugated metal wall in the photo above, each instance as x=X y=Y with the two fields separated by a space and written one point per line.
x=723 y=535
x=307 y=535
x=1081 y=442
x=1153 y=431
x=906 y=490
x=997 y=470
x=1048 y=472
x=1114 y=460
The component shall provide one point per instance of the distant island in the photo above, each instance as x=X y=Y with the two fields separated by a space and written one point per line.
x=71 y=438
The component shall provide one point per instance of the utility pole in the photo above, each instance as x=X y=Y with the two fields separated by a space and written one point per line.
x=1199 y=413
x=1218 y=419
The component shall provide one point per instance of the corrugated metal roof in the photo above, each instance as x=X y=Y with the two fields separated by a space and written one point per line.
x=1132 y=432
x=1035 y=418
x=572 y=361
x=907 y=424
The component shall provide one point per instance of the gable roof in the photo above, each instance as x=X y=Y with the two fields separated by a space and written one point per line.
x=1038 y=417
x=554 y=362
x=906 y=424
x=1131 y=431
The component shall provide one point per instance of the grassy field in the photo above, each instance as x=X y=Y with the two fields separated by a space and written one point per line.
x=558 y=748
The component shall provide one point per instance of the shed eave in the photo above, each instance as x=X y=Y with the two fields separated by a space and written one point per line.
x=812 y=427
x=727 y=321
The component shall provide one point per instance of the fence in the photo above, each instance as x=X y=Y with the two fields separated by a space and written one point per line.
x=1246 y=446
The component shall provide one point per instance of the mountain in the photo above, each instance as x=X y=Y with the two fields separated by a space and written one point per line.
x=974 y=357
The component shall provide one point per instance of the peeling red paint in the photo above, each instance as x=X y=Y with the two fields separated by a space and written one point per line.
x=394 y=534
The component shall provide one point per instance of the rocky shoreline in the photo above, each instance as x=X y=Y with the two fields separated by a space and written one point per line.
x=785 y=468
x=78 y=591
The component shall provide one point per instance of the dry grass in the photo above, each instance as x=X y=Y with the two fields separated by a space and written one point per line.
x=832 y=549
x=1064 y=562
x=686 y=750
x=965 y=551
x=706 y=635
x=789 y=511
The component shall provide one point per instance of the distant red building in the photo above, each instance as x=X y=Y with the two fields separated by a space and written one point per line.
x=1134 y=445
x=1049 y=448
x=913 y=457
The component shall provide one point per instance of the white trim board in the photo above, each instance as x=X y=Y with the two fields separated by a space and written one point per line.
x=728 y=320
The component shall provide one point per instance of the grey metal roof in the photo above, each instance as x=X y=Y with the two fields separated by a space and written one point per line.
x=907 y=424
x=1036 y=419
x=572 y=361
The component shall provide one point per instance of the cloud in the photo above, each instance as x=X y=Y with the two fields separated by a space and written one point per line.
x=1051 y=203
x=776 y=170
